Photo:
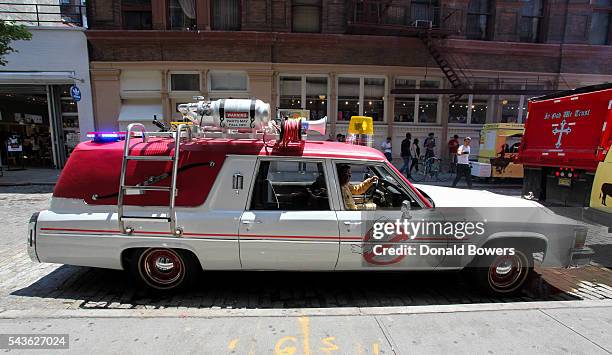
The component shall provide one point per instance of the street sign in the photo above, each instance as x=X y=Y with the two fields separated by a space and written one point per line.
x=75 y=92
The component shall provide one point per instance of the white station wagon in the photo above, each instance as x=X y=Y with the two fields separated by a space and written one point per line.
x=166 y=214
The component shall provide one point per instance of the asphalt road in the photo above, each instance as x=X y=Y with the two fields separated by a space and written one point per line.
x=26 y=285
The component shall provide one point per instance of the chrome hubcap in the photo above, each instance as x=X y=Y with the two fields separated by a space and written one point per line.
x=507 y=272
x=162 y=267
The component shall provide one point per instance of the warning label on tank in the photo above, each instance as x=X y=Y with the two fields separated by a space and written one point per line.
x=237 y=119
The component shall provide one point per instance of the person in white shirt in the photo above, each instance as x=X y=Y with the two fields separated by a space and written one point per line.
x=463 y=163
x=386 y=148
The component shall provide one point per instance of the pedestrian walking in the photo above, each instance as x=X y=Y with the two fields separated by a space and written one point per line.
x=405 y=154
x=463 y=163
x=415 y=152
x=429 y=144
x=386 y=148
x=453 y=144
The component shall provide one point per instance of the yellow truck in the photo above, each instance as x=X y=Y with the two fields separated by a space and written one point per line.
x=600 y=206
x=499 y=145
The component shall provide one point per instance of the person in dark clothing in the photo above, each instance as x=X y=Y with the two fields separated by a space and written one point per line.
x=453 y=144
x=430 y=145
x=405 y=154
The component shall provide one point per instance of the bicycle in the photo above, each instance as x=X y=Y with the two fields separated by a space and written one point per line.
x=432 y=169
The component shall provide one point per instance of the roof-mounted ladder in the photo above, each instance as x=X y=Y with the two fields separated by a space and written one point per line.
x=124 y=189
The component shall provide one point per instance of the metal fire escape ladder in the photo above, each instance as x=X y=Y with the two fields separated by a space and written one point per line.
x=452 y=75
x=124 y=189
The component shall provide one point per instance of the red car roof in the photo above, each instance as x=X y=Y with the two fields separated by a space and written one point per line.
x=246 y=147
x=93 y=170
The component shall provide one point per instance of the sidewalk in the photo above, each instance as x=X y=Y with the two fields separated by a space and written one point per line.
x=580 y=327
x=30 y=176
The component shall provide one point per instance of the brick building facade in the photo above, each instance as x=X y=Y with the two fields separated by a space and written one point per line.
x=343 y=57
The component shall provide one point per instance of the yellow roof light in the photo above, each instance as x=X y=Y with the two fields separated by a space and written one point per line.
x=361 y=125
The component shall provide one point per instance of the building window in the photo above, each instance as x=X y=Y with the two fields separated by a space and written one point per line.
x=316 y=97
x=532 y=12
x=479 y=108
x=226 y=15
x=427 y=12
x=348 y=98
x=458 y=111
x=404 y=109
x=477 y=19
x=601 y=23
x=421 y=108
x=306 y=16
x=184 y=82
x=374 y=98
x=290 y=92
x=235 y=81
x=405 y=106
x=136 y=14
x=510 y=109
x=469 y=109
x=308 y=92
x=182 y=15
x=361 y=96
x=428 y=104
x=428 y=110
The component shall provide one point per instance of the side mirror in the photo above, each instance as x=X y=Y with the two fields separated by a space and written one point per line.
x=406 y=209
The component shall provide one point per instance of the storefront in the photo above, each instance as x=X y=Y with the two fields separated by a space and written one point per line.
x=41 y=118
x=39 y=125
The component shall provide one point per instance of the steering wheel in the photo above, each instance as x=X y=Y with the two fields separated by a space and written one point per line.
x=369 y=194
x=386 y=184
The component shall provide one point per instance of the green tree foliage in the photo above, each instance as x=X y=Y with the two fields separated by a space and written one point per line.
x=10 y=32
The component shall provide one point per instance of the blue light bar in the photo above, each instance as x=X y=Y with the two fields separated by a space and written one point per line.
x=106 y=137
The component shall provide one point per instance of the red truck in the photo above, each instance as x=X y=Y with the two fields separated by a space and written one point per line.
x=567 y=134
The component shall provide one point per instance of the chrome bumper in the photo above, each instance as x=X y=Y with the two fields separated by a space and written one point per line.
x=32 y=238
x=581 y=256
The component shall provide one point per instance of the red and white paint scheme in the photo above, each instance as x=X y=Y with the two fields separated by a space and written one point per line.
x=255 y=204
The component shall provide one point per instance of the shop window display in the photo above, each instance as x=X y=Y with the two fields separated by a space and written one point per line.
x=28 y=129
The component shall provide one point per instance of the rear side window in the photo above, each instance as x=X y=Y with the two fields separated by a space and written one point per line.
x=290 y=186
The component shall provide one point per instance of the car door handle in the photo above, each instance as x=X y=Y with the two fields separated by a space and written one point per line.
x=258 y=221
x=348 y=223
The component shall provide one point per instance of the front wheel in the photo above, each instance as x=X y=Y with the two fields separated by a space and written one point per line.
x=163 y=269
x=504 y=275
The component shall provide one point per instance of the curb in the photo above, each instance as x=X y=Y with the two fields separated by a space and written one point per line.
x=298 y=312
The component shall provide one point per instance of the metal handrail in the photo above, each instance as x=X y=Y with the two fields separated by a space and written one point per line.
x=66 y=13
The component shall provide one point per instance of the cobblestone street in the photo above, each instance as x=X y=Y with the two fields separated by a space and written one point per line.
x=27 y=285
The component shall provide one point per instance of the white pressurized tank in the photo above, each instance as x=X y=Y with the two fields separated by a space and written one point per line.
x=229 y=113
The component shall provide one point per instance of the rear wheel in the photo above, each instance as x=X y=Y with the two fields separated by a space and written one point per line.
x=504 y=275
x=163 y=269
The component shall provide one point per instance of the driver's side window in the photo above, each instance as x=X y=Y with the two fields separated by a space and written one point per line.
x=387 y=193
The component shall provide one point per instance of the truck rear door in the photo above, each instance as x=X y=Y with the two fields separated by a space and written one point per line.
x=566 y=131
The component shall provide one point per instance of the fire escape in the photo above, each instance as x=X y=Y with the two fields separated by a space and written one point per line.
x=424 y=19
